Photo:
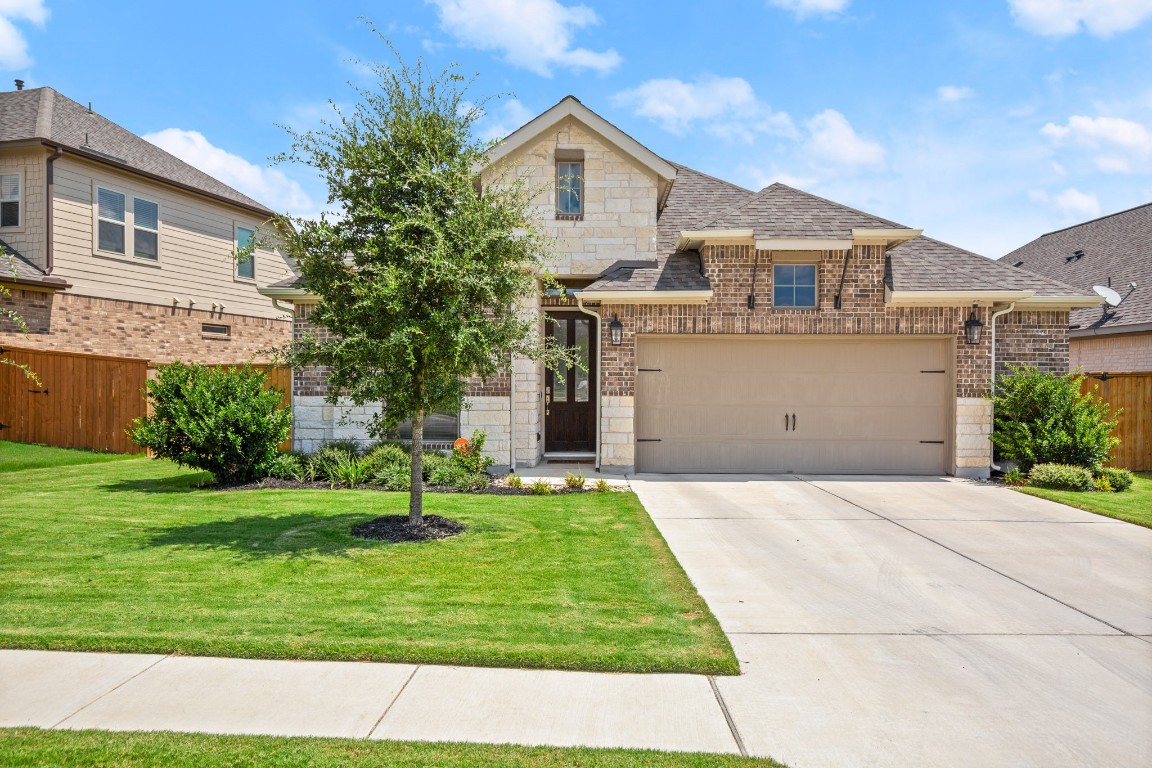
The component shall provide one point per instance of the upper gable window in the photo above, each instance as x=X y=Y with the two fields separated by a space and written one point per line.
x=794 y=285
x=10 y=213
x=246 y=253
x=569 y=189
x=123 y=230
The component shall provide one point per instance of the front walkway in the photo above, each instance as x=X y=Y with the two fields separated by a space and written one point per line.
x=913 y=622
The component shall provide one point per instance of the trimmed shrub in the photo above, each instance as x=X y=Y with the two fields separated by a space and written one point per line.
x=574 y=481
x=394 y=478
x=1041 y=418
x=1119 y=479
x=224 y=421
x=1102 y=484
x=449 y=474
x=1060 y=477
x=515 y=481
x=288 y=466
x=434 y=463
x=602 y=486
x=542 y=488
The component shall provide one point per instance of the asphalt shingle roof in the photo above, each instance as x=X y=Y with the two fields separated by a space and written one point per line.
x=13 y=266
x=779 y=211
x=924 y=264
x=1116 y=247
x=678 y=271
x=44 y=114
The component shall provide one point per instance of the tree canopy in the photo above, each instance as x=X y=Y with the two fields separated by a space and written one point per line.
x=420 y=277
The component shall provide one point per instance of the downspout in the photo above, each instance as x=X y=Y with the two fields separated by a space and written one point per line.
x=512 y=409
x=49 y=260
x=992 y=323
x=276 y=303
x=599 y=374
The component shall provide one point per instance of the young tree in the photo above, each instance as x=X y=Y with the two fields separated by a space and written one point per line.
x=420 y=276
x=13 y=318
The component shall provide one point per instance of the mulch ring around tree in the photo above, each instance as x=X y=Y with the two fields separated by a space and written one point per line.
x=397 y=529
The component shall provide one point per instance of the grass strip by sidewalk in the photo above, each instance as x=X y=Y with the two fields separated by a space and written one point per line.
x=130 y=556
x=1133 y=505
x=27 y=747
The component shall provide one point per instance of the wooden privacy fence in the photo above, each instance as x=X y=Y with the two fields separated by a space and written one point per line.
x=86 y=401
x=1131 y=393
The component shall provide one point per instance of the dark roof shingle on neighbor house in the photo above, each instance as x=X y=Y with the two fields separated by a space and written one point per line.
x=14 y=268
x=43 y=114
x=1116 y=248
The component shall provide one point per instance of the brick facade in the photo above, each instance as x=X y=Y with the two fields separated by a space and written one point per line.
x=1114 y=353
x=1038 y=339
x=862 y=312
x=72 y=323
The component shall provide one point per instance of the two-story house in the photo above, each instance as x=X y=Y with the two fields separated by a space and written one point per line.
x=726 y=330
x=116 y=247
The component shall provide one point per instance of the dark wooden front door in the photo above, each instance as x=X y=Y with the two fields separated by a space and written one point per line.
x=570 y=396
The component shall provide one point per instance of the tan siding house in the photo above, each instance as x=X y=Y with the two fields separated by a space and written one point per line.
x=122 y=249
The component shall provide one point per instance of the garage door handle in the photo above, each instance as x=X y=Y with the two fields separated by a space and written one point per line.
x=793 y=422
x=785 y=422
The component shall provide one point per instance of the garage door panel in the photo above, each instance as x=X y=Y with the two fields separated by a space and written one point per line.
x=862 y=405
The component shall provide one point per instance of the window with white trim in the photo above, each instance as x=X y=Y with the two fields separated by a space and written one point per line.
x=10 y=207
x=122 y=230
x=246 y=253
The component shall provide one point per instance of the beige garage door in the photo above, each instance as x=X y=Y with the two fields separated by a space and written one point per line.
x=797 y=404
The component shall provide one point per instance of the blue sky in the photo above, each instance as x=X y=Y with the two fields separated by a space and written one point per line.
x=986 y=123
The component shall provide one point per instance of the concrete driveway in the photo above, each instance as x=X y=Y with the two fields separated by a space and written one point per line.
x=884 y=621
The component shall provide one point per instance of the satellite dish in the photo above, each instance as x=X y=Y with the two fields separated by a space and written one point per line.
x=1111 y=298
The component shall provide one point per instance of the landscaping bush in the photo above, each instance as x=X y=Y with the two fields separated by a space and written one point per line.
x=542 y=488
x=223 y=421
x=1102 y=484
x=394 y=478
x=1015 y=477
x=574 y=481
x=602 y=486
x=1119 y=479
x=1060 y=477
x=515 y=481
x=289 y=466
x=1041 y=418
x=472 y=458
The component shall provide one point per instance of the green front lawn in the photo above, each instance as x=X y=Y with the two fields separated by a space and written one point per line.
x=17 y=456
x=1133 y=505
x=130 y=556
x=26 y=747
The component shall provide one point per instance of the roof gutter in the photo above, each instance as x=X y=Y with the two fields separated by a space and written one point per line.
x=648 y=297
x=114 y=163
x=1112 y=330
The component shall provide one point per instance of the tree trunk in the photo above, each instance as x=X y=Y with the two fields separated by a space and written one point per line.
x=416 y=495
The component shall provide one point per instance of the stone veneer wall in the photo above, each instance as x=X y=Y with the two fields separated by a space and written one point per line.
x=1118 y=353
x=71 y=323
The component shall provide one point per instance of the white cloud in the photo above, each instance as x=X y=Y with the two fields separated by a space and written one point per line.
x=534 y=34
x=266 y=185
x=833 y=140
x=13 y=46
x=1071 y=204
x=503 y=119
x=726 y=107
x=954 y=92
x=758 y=178
x=805 y=8
x=1059 y=18
x=1123 y=146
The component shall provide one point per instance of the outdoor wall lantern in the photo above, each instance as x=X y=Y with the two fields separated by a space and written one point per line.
x=616 y=330
x=972 y=327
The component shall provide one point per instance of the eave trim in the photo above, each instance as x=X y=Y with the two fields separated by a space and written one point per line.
x=952 y=298
x=647 y=297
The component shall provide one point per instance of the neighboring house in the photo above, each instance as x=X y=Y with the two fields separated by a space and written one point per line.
x=1113 y=251
x=118 y=248
x=726 y=330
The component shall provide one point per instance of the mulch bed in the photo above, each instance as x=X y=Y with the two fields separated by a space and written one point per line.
x=396 y=529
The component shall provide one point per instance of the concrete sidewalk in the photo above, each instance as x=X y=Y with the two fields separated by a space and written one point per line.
x=141 y=692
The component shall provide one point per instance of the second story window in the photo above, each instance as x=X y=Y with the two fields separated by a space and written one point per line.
x=111 y=218
x=246 y=263
x=569 y=189
x=794 y=285
x=124 y=230
x=10 y=200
